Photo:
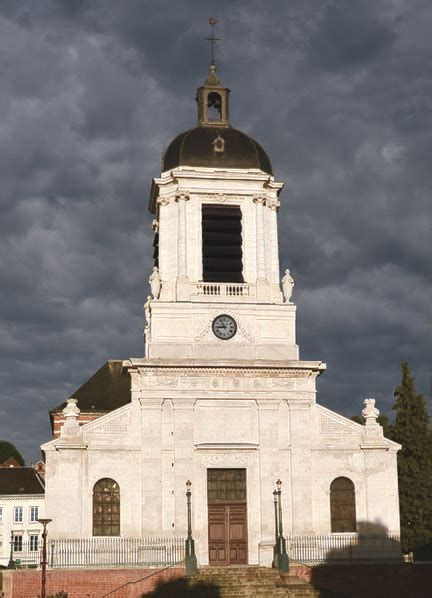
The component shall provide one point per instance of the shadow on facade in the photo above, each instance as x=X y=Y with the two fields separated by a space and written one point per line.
x=373 y=544
x=183 y=588
x=371 y=565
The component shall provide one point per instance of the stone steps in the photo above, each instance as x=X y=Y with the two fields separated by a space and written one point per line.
x=252 y=581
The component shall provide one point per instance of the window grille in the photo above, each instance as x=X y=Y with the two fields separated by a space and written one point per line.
x=106 y=508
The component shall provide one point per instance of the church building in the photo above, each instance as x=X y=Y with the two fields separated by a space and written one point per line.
x=221 y=396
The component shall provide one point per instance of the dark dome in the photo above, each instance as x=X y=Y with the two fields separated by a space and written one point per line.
x=195 y=148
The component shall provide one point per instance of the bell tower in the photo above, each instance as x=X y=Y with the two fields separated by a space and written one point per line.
x=216 y=284
x=213 y=102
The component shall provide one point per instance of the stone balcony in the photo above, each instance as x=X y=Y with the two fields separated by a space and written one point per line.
x=224 y=290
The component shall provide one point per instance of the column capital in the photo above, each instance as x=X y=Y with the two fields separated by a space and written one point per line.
x=182 y=196
x=273 y=203
x=259 y=198
x=162 y=201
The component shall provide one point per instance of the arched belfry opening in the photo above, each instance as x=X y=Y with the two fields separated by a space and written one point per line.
x=214 y=107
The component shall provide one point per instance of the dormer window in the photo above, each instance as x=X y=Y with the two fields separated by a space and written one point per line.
x=214 y=107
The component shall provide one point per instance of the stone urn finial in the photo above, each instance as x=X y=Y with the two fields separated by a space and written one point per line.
x=373 y=431
x=370 y=412
x=71 y=412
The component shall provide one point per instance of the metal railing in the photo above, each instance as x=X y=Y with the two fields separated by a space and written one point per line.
x=223 y=289
x=344 y=548
x=27 y=554
x=115 y=552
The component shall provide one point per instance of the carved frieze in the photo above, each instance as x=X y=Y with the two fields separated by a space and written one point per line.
x=219 y=381
x=226 y=458
x=219 y=197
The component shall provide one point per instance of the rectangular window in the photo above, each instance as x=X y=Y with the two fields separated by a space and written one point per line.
x=34 y=542
x=18 y=514
x=222 y=243
x=34 y=514
x=1 y=514
x=17 y=543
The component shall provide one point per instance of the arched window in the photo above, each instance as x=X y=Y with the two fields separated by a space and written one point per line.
x=342 y=506
x=214 y=103
x=106 y=508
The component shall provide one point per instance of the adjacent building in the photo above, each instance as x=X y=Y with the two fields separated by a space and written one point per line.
x=22 y=498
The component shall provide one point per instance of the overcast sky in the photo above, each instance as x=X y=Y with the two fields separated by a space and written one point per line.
x=339 y=94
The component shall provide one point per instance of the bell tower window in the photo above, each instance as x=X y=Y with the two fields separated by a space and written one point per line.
x=222 y=244
x=214 y=107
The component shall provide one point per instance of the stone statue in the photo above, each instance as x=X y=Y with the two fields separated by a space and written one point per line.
x=147 y=310
x=155 y=281
x=287 y=286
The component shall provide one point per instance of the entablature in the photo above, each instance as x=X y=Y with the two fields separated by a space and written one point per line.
x=216 y=184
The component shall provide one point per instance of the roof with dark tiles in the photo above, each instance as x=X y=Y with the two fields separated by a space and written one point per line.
x=106 y=390
x=20 y=481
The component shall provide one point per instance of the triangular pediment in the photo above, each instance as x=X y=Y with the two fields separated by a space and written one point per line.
x=115 y=422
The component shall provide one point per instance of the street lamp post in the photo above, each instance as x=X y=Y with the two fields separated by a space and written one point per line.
x=283 y=561
x=276 y=546
x=44 y=523
x=191 y=566
x=11 y=564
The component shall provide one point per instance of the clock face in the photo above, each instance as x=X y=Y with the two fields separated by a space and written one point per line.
x=224 y=327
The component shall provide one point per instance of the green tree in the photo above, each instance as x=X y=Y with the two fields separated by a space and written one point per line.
x=7 y=450
x=411 y=429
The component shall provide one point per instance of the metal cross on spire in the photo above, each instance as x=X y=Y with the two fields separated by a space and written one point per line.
x=212 y=39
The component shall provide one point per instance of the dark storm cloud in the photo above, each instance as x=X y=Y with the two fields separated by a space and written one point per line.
x=349 y=35
x=339 y=93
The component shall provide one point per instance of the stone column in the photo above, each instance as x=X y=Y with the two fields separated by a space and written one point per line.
x=261 y=280
x=181 y=199
x=274 y=204
x=260 y=241
x=270 y=471
x=183 y=290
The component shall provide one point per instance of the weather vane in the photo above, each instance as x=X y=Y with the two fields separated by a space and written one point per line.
x=212 y=39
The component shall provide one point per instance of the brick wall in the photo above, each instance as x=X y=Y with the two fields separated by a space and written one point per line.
x=374 y=580
x=58 y=420
x=88 y=583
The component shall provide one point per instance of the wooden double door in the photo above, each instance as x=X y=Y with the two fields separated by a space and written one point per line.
x=227 y=516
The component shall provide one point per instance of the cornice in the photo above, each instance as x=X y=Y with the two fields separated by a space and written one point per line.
x=252 y=367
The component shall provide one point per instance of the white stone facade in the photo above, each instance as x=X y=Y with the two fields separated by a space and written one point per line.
x=185 y=418
x=200 y=402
